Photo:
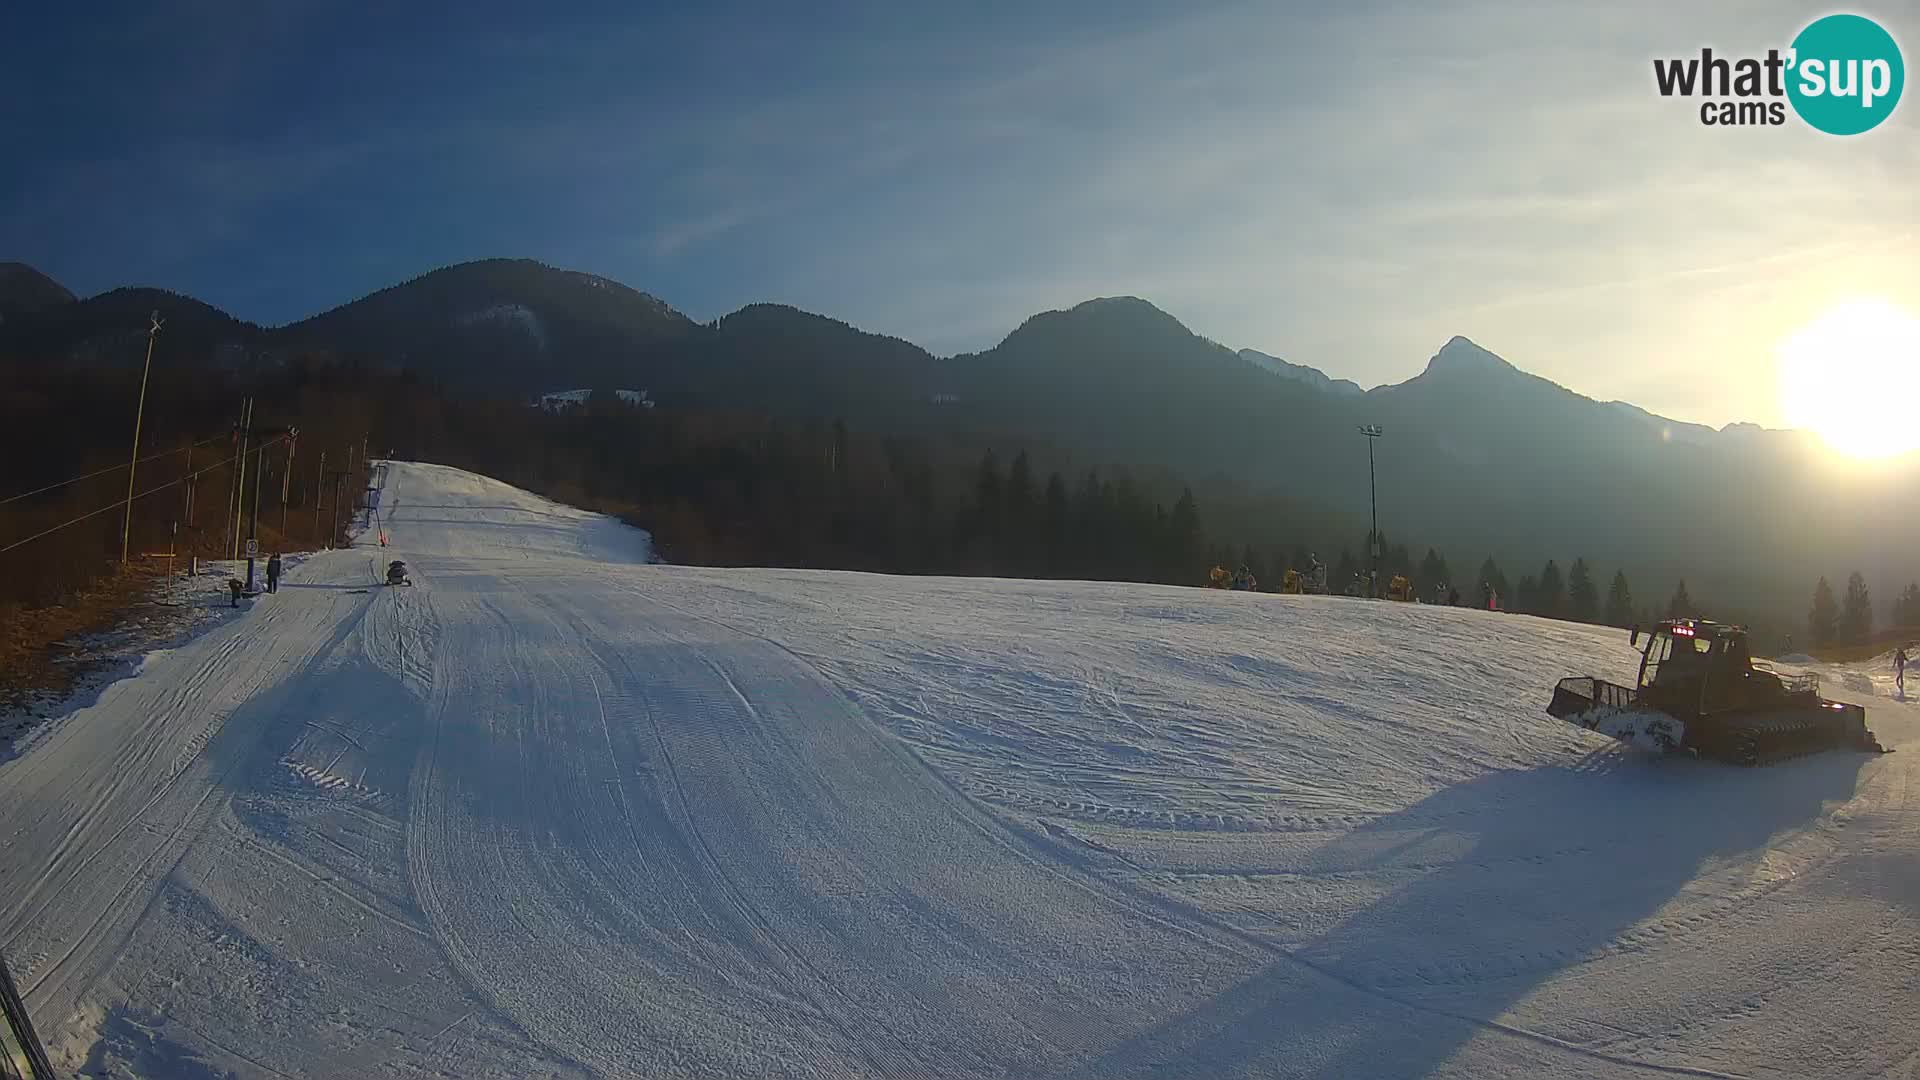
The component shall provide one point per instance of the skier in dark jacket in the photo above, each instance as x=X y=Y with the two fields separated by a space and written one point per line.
x=273 y=573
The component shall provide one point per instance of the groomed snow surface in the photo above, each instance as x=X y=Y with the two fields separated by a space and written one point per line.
x=555 y=811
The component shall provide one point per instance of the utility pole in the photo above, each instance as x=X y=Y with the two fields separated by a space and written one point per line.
x=319 y=496
x=240 y=493
x=191 y=479
x=1372 y=432
x=253 y=526
x=286 y=483
x=126 y=523
x=356 y=465
x=333 y=523
x=233 y=444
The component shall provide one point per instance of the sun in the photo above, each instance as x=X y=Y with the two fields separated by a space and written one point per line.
x=1852 y=376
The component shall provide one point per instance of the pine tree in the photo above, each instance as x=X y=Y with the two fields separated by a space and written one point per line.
x=1018 y=524
x=1619 y=601
x=1583 y=597
x=1551 y=599
x=1433 y=575
x=1398 y=561
x=1856 y=612
x=987 y=484
x=1020 y=487
x=1183 y=538
x=837 y=457
x=1681 y=606
x=1823 y=622
x=1526 y=596
x=1906 y=608
x=1490 y=575
x=1057 y=518
x=986 y=523
x=1086 y=522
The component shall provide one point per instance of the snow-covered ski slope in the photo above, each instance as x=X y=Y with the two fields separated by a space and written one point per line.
x=555 y=811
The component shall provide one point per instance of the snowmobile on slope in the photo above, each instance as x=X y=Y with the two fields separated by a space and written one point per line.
x=397 y=573
x=1700 y=692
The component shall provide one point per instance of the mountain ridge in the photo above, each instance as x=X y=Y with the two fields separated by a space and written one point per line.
x=1312 y=376
x=24 y=289
x=1458 y=355
x=1478 y=455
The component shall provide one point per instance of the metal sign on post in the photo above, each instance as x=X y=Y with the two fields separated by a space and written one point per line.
x=253 y=547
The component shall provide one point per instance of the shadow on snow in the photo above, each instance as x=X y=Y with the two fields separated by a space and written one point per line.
x=1511 y=879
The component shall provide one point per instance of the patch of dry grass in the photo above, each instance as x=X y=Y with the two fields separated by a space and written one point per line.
x=31 y=637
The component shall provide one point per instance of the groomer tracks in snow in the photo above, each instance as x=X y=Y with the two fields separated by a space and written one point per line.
x=557 y=810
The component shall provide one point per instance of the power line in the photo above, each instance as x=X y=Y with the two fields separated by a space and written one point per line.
x=108 y=469
x=117 y=503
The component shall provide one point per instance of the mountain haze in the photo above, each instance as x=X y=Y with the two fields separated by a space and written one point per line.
x=1310 y=375
x=1478 y=455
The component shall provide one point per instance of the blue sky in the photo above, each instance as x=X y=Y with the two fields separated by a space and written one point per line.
x=1342 y=185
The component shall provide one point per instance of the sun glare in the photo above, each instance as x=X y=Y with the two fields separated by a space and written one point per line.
x=1852 y=376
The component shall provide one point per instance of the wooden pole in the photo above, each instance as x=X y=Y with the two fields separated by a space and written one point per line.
x=240 y=499
x=188 y=515
x=126 y=522
x=253 y=526
x=286 y=483
x=319 y=497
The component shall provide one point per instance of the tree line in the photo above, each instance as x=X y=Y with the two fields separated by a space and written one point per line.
x=714 y=487
x=1849 y=620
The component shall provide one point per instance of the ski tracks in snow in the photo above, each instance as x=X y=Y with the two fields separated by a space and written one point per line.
x=556 y=811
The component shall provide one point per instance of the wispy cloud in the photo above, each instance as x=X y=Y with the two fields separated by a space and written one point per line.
x=674 y=236
x=1345 y=185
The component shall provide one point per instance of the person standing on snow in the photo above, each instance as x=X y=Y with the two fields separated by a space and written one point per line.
x=273 y=572
x=1900 y=670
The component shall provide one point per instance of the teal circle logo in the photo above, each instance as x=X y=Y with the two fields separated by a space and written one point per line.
x=1846 y=74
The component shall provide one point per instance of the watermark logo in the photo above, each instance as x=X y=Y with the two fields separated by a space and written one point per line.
x=1842 y=74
